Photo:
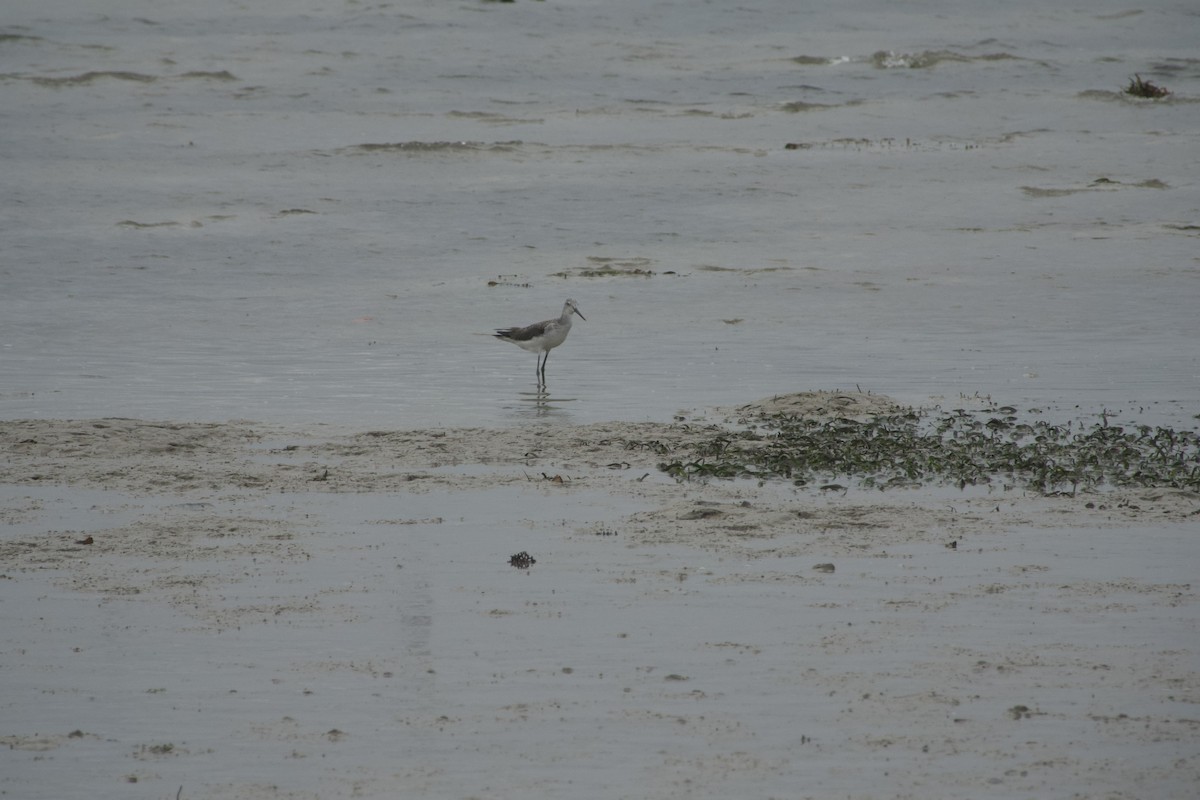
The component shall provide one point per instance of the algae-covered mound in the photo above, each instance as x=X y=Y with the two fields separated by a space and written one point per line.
x=882 y=445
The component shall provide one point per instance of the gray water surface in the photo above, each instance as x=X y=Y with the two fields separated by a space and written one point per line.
x=292 y=211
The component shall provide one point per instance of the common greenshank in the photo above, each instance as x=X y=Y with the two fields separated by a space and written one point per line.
x=542 y=337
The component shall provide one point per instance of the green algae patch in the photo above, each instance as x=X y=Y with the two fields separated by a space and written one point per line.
x=959 y=447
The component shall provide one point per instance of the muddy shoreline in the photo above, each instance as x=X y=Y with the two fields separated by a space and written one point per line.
x=357 y=587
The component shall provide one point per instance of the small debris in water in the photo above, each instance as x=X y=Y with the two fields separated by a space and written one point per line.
x=1019 y=712
x=522 y=560
x=700 y=513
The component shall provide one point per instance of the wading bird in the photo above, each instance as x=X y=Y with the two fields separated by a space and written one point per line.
x=542 y=337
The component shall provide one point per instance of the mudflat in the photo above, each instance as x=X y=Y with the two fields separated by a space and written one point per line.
x=256 y=611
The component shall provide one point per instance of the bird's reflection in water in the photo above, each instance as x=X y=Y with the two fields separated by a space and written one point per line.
x=540 y=403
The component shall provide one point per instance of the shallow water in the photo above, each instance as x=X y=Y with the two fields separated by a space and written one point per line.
x=197 y=224
x=381 y=646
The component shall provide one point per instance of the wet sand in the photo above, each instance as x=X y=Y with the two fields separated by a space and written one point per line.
x=245 y=610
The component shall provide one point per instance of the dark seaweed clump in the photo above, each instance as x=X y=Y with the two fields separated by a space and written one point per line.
x=956 y=447
x=1140 y=88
